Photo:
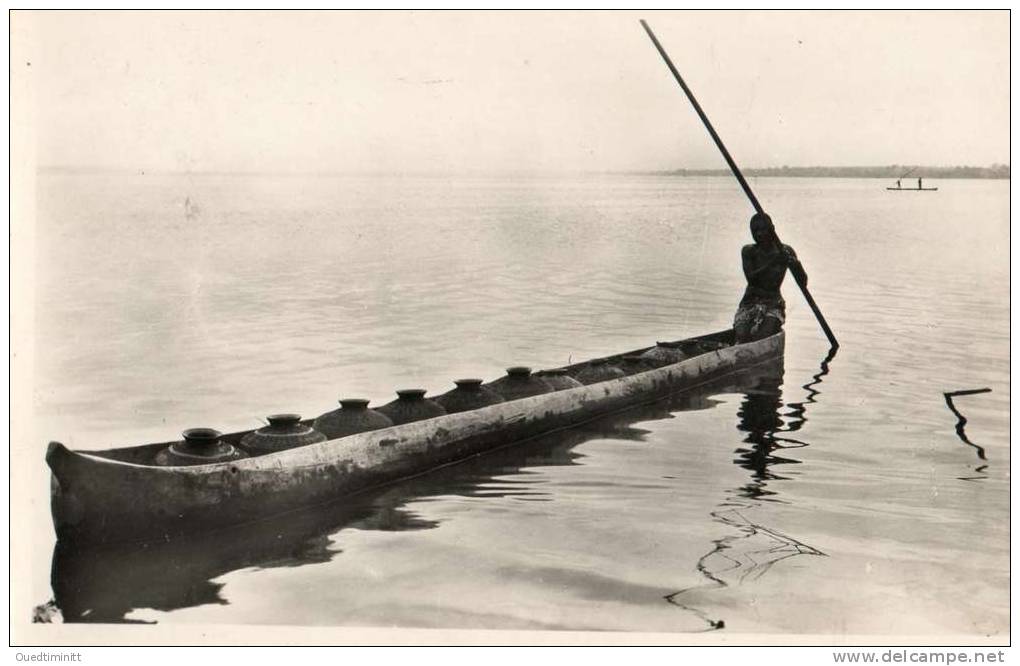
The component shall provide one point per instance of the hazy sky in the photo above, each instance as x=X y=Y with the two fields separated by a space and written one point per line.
x=510 y=91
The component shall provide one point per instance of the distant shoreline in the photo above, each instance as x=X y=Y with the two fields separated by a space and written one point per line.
x=893 y=172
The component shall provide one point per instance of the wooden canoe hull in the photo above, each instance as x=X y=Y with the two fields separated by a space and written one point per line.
x=106 y=583
x=96 y=499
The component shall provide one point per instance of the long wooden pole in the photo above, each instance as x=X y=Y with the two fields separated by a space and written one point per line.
x=739 y=176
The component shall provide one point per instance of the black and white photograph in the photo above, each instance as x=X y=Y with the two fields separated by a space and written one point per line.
x=426 y=327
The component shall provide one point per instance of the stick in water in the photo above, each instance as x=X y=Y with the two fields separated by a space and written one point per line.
x=740 y=177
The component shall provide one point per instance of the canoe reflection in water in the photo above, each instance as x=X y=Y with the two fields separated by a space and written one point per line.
x=107 y=584
x=750 y=553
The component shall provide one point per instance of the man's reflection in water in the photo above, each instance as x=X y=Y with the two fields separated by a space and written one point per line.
x=759 y=417
x=754 y=549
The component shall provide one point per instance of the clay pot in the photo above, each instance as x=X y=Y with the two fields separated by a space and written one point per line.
x=411 y=405
x=519 y=383
x=200 y=446
x=559 y=380
x=354 y=416
x=663 y=354
x=469 y=394
x=285 y=431
x=598 y=370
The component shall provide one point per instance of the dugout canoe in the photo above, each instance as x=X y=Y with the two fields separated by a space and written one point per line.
x=122 y=495
x=109 y=582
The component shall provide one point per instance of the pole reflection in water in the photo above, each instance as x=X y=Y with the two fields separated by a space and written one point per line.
x=961 y=421
x=749 y=554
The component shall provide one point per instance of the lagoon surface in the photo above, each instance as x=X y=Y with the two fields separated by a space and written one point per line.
x=802 y=497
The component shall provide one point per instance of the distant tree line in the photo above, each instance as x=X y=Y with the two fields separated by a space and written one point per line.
x=892 y=171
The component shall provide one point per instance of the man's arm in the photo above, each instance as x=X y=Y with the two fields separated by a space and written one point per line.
x=794 y=265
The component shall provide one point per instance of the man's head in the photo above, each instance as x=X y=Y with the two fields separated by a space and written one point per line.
x=761 y=229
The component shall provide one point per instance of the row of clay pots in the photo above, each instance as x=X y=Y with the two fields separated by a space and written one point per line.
x=286 y=431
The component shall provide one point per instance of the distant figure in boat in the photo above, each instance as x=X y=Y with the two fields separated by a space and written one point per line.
x=898 y=185
x=762 y=310
x=918 y=183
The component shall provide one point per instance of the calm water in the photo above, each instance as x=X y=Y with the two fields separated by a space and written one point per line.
x=802 y=497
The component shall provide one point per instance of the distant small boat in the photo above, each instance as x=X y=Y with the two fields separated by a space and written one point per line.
x=919 y=188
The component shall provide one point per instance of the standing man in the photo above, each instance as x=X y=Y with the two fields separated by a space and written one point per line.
x=762 y=310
